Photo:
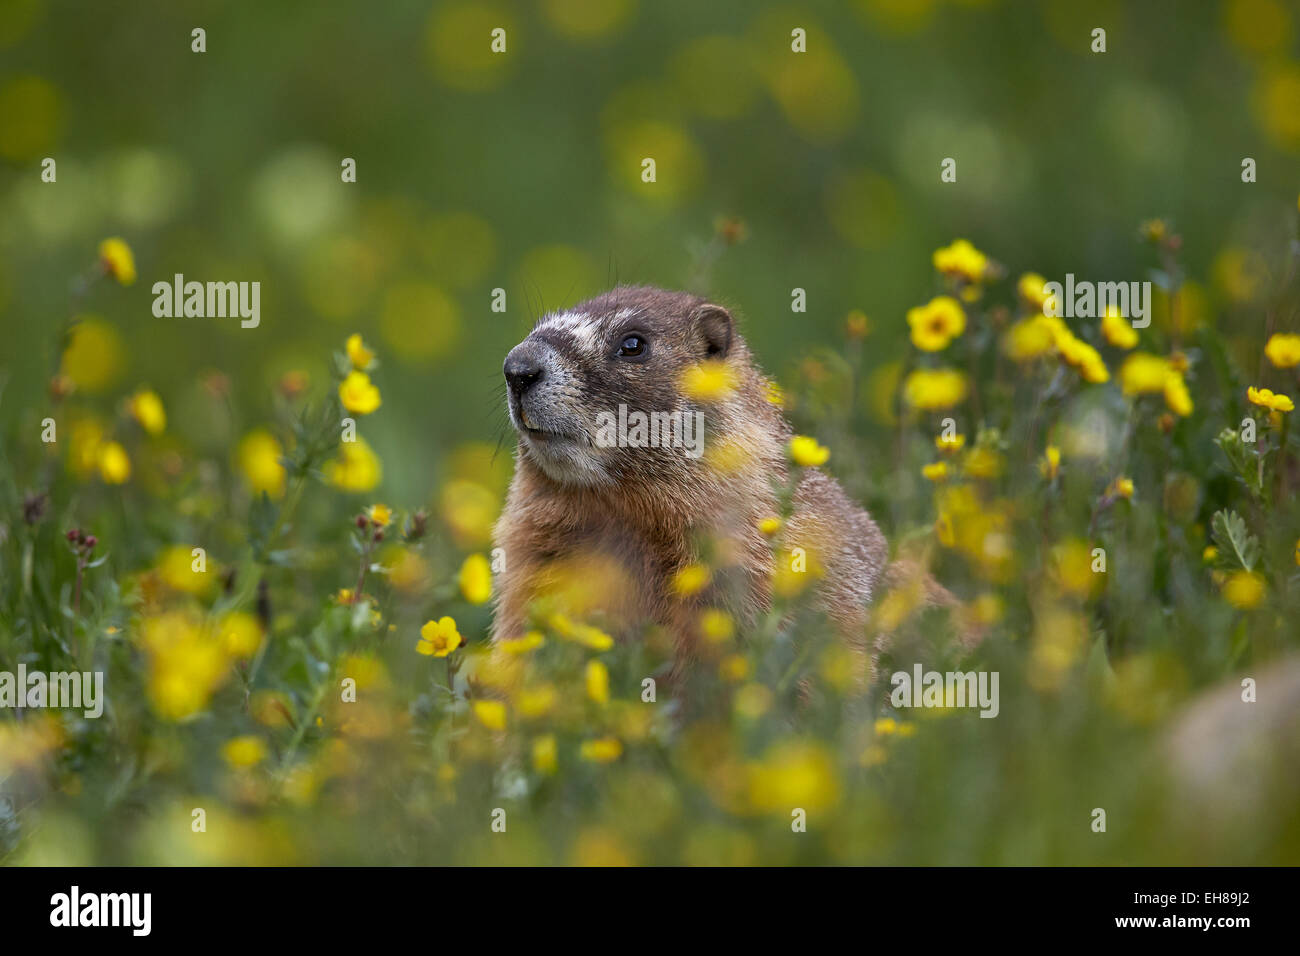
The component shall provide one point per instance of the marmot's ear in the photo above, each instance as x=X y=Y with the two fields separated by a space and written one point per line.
x=715 y=327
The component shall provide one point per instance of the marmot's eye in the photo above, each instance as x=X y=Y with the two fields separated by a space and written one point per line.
x=632 y=347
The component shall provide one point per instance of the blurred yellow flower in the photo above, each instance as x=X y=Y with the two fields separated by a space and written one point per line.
x=1117 y=330
x=360 y=356
x=1030 y=339
x=114 y=465
x=691 y=579
x=588 y=636
x=93 y=357
x=1085 y=359
x=355 y=468
x=716 y=625
x=950 y=443
x=178 y=567
x=857 y=325
x=379 y=515
x=243 y=752
x=438 y=638
x=709 y=381
x=534 y=702
x=601 y=750
x=147 y=409
x=806 y=452
x=1050 y=466
x=470 y=509
x=597 y=681
x=769 y=526
x=936 y=471
x=490 y=713
x=475 y=579
x=1177 y=397
x=1142 y=373
x=1031 y=289
x=961 y=259
x=985 y=463
x=116 y=257
x=935 y=324
x=1283 y=349
x=794 y=774
x=358 y=394
x=258 y=457
x=934 y=389
x=240 y=634
x=1121 y=488
x=522 y=645
x=1244 y=590
x=1267 y=398
x=545 y=754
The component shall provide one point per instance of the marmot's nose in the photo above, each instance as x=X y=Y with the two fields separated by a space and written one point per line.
x=523 y=368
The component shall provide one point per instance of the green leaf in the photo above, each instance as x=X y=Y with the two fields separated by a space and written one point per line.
x=1233 y=540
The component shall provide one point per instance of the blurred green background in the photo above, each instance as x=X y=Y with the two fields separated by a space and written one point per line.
x=521 y=171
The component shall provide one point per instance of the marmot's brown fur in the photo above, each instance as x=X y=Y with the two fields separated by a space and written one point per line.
x=608 y=528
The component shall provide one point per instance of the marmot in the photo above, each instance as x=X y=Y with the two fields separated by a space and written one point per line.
x=609 y=528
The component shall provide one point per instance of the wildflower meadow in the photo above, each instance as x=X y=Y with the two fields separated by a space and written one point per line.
x=253 y=435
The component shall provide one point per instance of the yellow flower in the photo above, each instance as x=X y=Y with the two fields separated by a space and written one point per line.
x=1117 y=331
x=360 y=356
x=544 y=754
x=1177 y=397
x=438 y=639
x=147 y=409
x=1085 y=359
x=1031 y=289
x=806 y=452
x=769 y=526
x=241 y=752
x=733 y=668
x=1209 y=554
x=857 y=325
x=934 y=389
x=114 y=465
x=1029 y=339
x=774 y=394
x=534 y=702
x=691 y=579
x=1143 y=372
x=601 y=750
x=936 y=471
x=476 y=579
x=380 y=515
x=522 y=645
x=358 y=394
x=178 y=567
x=1153 y=230
x=935 y=324
x=983 y=463
x=1267 y=398
x=491 y=714
x=1297 y=550
x=116 y=257
x=709 y=381
x=950 y=443
x=961 y=259
x=240 y=634
x=588 y=636
x=357 y=467
x=1050 y=466
x=716 y=625
x=1283 y=349
x=1244 y=590
x=1121 y=488
x=597 y=679
x=258 y=457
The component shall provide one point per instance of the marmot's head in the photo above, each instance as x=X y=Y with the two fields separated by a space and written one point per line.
x=595 y=391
